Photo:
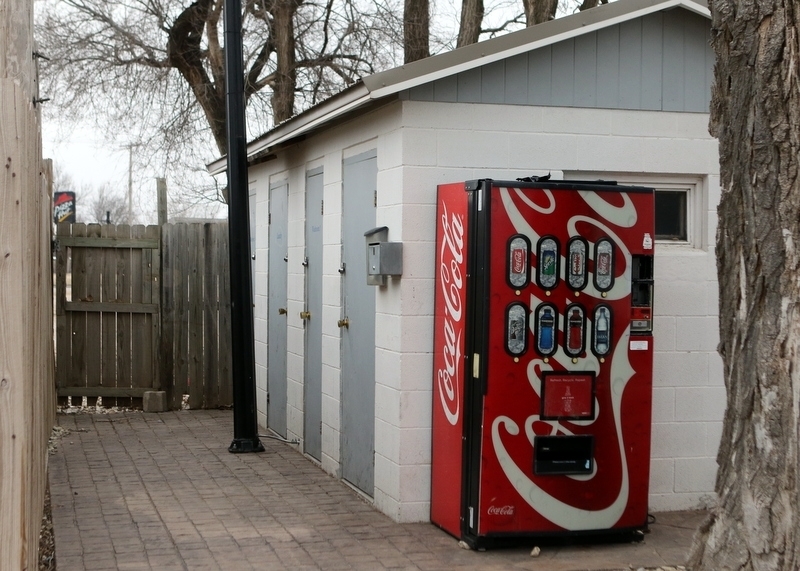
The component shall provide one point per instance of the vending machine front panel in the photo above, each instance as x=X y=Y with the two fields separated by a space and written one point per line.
x=565 y=437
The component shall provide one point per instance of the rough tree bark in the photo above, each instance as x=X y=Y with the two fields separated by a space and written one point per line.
x=185 y=53
x=755 y=114
x=283 y=87
x=539 y=11
x=469 y=29
x=416 y=30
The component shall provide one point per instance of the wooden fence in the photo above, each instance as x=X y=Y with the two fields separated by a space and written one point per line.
x=144 y=308
x=195 y=303
x=27 y=398
x=107 y=312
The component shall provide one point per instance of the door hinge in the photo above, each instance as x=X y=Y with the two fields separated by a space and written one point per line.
x=375 y=199
x=321 y=207
x=267 y=398
x=269 y=218
x=320 y=427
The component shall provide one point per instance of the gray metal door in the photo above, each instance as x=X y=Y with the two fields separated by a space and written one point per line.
x=313 y=322
x=358 y=337
x=276 y=334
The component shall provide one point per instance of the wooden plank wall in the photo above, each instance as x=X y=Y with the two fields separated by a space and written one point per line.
x=195 y=351
x=27 y=397
x=107 y=312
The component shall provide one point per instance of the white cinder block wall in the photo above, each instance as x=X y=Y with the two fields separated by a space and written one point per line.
x=422 y=144
x=445 y=142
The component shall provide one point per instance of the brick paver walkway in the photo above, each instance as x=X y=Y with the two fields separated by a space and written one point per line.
x=160 y=491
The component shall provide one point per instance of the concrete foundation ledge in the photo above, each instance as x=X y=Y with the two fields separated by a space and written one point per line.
x=154 y=401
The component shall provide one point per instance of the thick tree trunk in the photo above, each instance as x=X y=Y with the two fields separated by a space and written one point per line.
x=539 y=11
x=755 y=114
x=416 y=30
x=185 y=53
x=286 y=70
x=471 y=19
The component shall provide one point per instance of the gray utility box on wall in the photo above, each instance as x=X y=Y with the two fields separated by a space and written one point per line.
x=383 y=258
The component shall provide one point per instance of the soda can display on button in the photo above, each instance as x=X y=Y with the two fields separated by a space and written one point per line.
x=547 y=262
x=518 y=254
x=576 y=277
x=604 y=265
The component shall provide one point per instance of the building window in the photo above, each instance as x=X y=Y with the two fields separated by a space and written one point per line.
x=671 y=219
x=681 y=205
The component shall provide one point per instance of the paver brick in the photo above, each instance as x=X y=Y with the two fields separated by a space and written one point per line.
x=160 y=492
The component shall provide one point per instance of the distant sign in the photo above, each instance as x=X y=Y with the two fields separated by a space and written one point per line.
x=64 y=207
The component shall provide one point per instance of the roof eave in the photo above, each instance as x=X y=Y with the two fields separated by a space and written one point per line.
x=352 y=97
x=427 y=70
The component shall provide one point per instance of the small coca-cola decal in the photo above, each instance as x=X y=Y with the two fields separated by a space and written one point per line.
x=500 y=510
x=518 y=252
x=604 y=264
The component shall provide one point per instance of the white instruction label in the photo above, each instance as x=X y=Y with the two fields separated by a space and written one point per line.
x=639 y=345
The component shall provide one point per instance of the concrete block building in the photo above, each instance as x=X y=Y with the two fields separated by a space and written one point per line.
x=619 y=92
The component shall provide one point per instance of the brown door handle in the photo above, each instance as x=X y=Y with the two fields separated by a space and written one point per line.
x=344 y=323
x=281 y=311
x=305 y=315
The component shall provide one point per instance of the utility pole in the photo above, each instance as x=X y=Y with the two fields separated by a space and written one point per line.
x=130 y=184
x=130 y=147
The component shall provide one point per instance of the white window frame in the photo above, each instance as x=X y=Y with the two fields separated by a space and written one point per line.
x=696 y=191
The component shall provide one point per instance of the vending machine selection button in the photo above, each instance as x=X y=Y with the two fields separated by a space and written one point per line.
x=519 y=249
x=577 y=268
x=547 y=262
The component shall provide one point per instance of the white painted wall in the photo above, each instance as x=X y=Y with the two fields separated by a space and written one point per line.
x=422 y=144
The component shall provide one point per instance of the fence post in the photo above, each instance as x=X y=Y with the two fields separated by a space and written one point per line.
x=161 y=188
x=26 y=327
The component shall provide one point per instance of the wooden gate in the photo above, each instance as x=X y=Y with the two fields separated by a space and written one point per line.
x=107 y=312
x=195 y=356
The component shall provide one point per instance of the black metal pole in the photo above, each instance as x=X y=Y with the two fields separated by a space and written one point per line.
x=245 y=423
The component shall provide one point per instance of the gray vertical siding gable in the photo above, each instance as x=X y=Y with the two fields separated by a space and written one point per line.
x=660 y=62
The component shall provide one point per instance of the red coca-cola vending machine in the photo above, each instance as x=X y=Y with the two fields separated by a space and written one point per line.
x=543 y=359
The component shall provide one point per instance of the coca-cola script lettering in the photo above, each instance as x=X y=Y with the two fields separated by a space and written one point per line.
x=451 y=257
x=500 y=510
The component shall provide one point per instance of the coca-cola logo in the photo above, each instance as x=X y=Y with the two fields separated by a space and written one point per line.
x=577 y=263
x=451 y=282
x=517 y=260
x=603 y=264
x=500 y=510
